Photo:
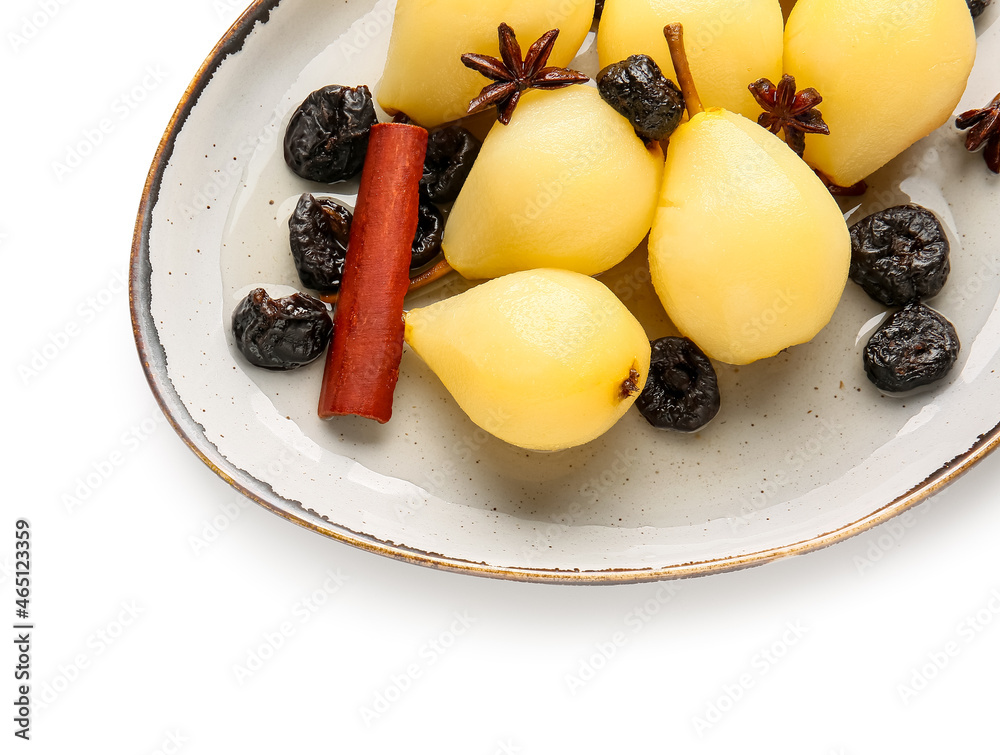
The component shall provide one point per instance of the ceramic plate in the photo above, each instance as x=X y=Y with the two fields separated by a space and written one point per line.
x=804 y=453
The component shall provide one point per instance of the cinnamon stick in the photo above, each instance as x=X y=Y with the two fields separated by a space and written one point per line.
x=362 y=364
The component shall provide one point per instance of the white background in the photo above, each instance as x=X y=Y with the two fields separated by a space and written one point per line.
x=140 y=635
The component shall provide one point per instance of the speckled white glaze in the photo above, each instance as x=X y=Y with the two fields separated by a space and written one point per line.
x=804 y=452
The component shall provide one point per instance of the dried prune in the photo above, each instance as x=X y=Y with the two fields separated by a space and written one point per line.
x=637 y=88
x=976 y=7
x=281 y=334
x=327 y=136
x=451 y=151
x=915 y=346
x=900 y=255
x=430 y=230
x=318 y=232
x=682 y=391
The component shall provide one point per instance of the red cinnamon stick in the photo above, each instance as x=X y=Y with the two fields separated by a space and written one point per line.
x=362 y=364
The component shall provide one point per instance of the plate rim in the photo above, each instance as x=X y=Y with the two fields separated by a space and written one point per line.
x=153 y=359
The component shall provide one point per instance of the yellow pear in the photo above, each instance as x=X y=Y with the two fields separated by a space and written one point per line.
x=889 y=71
x=730 y=44
x=424 y=75
x=566 y=184
x=542 y=359
x=749 y=252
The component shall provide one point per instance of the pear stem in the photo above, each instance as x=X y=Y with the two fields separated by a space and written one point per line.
x=675 y=41
x=434 y=273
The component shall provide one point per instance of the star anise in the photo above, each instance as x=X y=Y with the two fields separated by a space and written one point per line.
x=984 y=128
x=784 y=108
x=514 y=75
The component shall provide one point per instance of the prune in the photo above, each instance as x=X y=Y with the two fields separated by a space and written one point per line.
x=451 y=152
x=682 y=391
x=976 y=7
x=430 y=230
x=318 y=232
x=637 y=89
x=327 y=136
x=915 y=346
x=899 y=255
x=281 y=334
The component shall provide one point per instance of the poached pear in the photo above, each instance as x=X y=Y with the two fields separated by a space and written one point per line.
x=730 y=43
x=889 y=71
x=542 y=359
x=424 y=76
x=749 y=253
x=566 y=184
